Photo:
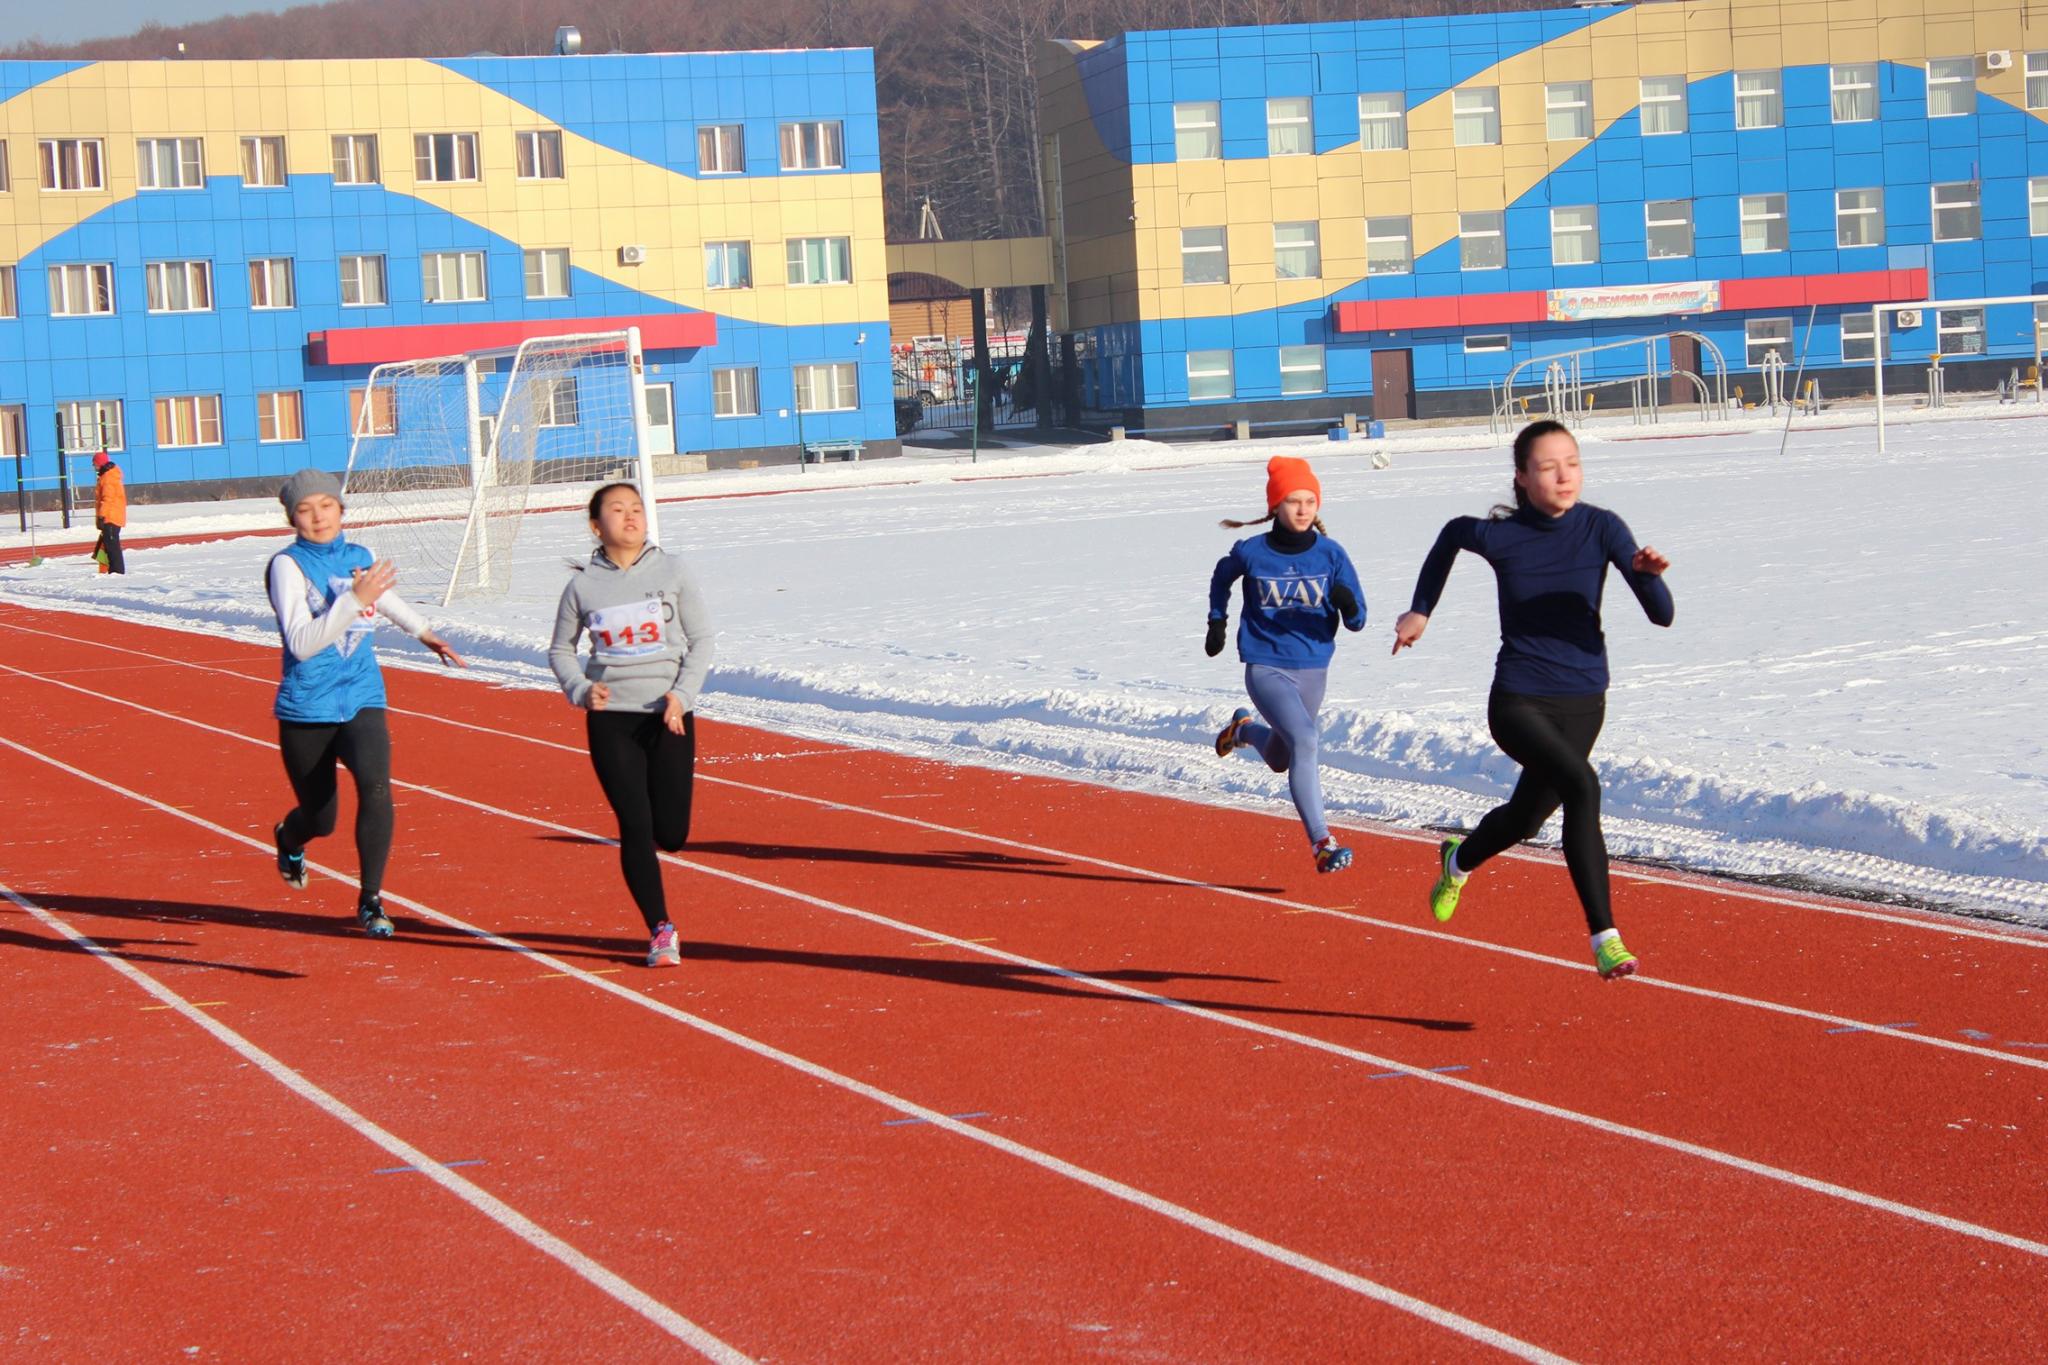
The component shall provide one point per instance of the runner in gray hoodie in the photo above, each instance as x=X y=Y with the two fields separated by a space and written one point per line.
x=650 y=648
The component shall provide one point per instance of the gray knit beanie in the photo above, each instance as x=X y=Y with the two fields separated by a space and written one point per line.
x=305 y=484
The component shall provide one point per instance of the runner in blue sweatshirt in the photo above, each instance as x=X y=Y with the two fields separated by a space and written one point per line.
x=1298 y=583
x=327 y=595
x=1550 y=554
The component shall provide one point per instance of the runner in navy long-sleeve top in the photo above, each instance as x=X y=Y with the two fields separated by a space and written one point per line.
x=1550 y=555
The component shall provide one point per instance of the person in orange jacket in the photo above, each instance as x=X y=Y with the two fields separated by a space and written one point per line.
x=110 y=511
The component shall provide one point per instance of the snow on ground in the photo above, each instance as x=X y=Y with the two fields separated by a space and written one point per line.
x=1851 y=695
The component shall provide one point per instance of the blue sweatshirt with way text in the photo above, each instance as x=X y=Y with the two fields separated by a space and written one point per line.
x=1289 y=620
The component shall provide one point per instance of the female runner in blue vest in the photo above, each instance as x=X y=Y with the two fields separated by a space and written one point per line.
x=1550 y=554
x=1298 y=583
x=327 y=595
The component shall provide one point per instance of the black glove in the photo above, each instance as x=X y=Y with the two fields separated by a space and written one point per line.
x=1343 y=601
x=1212 y=644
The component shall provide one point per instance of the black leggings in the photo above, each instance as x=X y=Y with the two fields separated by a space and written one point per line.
x=647 y=772
x=1551 y=737
x=363 y=742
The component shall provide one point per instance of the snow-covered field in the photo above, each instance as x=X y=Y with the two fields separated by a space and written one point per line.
x=1852 y=695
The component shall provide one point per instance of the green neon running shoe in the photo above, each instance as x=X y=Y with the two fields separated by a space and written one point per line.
x=1443 y=897
x=1613 y=960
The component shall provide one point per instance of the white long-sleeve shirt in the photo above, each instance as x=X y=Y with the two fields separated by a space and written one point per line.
x=306 y=634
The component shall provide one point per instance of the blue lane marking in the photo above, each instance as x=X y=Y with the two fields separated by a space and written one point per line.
x=1390 y=1075
x=1979 y=1034
x=897 y=1123
x=1861 y=1028
x=399 y=1170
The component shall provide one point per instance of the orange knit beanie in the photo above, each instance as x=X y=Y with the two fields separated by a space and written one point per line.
x=1285 y=474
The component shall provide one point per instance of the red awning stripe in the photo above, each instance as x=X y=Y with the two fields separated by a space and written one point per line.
x=375 y=345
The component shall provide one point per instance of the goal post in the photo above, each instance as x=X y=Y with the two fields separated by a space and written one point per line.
x=1880 y=337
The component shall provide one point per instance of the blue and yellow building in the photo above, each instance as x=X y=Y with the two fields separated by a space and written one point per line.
x=201 y=262
x=1386 y=216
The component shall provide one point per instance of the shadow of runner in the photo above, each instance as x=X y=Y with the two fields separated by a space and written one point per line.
x=126 y=949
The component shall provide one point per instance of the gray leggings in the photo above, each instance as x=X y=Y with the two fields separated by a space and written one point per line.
x=1289 y=742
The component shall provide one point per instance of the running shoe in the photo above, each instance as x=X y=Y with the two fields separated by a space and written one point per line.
x=370 y=914
x=1443 y=897
x=1332 y=856
x=290 y=866
x=1613 y=960
x=1231 y=737
x=662 y=949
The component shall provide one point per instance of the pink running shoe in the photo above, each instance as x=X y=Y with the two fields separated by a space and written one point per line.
x=662 y=949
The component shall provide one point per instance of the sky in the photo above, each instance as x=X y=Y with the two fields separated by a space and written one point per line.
x=27 y=19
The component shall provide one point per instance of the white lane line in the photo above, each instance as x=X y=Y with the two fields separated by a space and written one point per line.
x=1130 y=1194
x=478 y=1198
x=1701 y=884
x=1793 y=1178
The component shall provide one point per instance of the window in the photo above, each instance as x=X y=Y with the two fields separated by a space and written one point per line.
x=13 y=430
x=813 y=147
x=1667 y=228
x=1575 y=235
x=93 y=424
x=10 y=303
x=1951 y=86
x=362 y=282
x=5 y=183
x=547 y=273
x=1957 y=214
x=1662 y=99
x=1486 y=343
x=1204 y=256
x=722 y=149
x=2037 y=206
x=1297 y=251
x=1761 y=336
x=1859 y=218
x=1210 y=375
x=1860 y=337
x=1389 y=248
x=1480 y=243
x=827 y=388
x=2037 y=80
x=820 y=260
x=444 y=157
x=1197 y=135
x=1757 y=101
x=555 y=399
x=452 y=276
x=81 y=290
x=382 y=419
x=1959 y=331
x=1854 y=92
x=1301 y=369
x=280 y=417
x=538 y=154
x=2041 y=320
x=736 y=392
x=270 y=283
x=169 y=163
x=73 y=163
x=355 y=159
x=262 y=162
x=1568 y=110
x=1475 y=116
x=1290 y=130
x=190 y=421
x=728 y=265
x=179 y=286
x=1382 y=122
x=1763 y=223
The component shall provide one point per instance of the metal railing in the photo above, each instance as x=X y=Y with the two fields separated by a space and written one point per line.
x=1571 y=397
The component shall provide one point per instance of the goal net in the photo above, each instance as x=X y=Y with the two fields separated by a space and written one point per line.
x=447 y=452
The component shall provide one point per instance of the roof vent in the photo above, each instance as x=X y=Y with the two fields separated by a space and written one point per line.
x=568 y=41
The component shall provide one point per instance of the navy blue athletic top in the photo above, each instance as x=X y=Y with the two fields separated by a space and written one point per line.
x=1551 y=572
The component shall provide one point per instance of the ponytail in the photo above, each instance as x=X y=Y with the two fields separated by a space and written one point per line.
x=1229 y=525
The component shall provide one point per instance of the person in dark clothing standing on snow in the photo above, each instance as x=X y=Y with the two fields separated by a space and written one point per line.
x=1550 y=554
x=110 y=511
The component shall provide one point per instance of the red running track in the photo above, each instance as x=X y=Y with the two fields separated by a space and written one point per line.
x=1351 y=1134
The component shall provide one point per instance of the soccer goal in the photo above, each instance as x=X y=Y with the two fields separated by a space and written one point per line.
x=445 y=455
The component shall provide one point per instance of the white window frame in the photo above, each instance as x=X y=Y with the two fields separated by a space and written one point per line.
x=558 y=403
x=1487 y=343
x=812 y=145
x=102 y=417
x=170 y=163
x=271 y=408
x=1220 y=250
x=88 y=282
x=1285 y=126
x=842 y=378
x=1957 y=83
x=1767 y=212
x=1472 y=228
x=1406 y=239
x=724 y=255
x=438 y=285
x=10 y=295
x=272 y=285
x=1957 y=322
x=1848 y=83
x=1586 y=235
x=727 y=144
x=2036 y=66
x=1651 y=224
x=86 y=161
x=383 y=407
x=6 y=176
x=1867 y=340
x=537 y=155
x=355 y=159
x=263 y=163
x=1845 y=215
x=1303 y=360
x=736 y=391
x=1393 y=116
x=1973 y=206
x=1310 y=245
x=1663 y=102
x=1779 y=335
x=446 y=159
x=194 y=421
x=1198 y=125
x=2037 y=206
x=1480 y=103
x=358 y=271
x=1766 y=101
x=547 y=267
x=802 y=269
x=1203 y=369
x=1573 y=100
x=162 y=279
x=13 y=430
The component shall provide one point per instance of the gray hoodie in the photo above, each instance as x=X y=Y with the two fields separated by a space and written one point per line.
x=649 y=632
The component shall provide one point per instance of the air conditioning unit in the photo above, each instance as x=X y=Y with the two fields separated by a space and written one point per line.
x=1906 y=319
x=1998 y=61
x=632 y=255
